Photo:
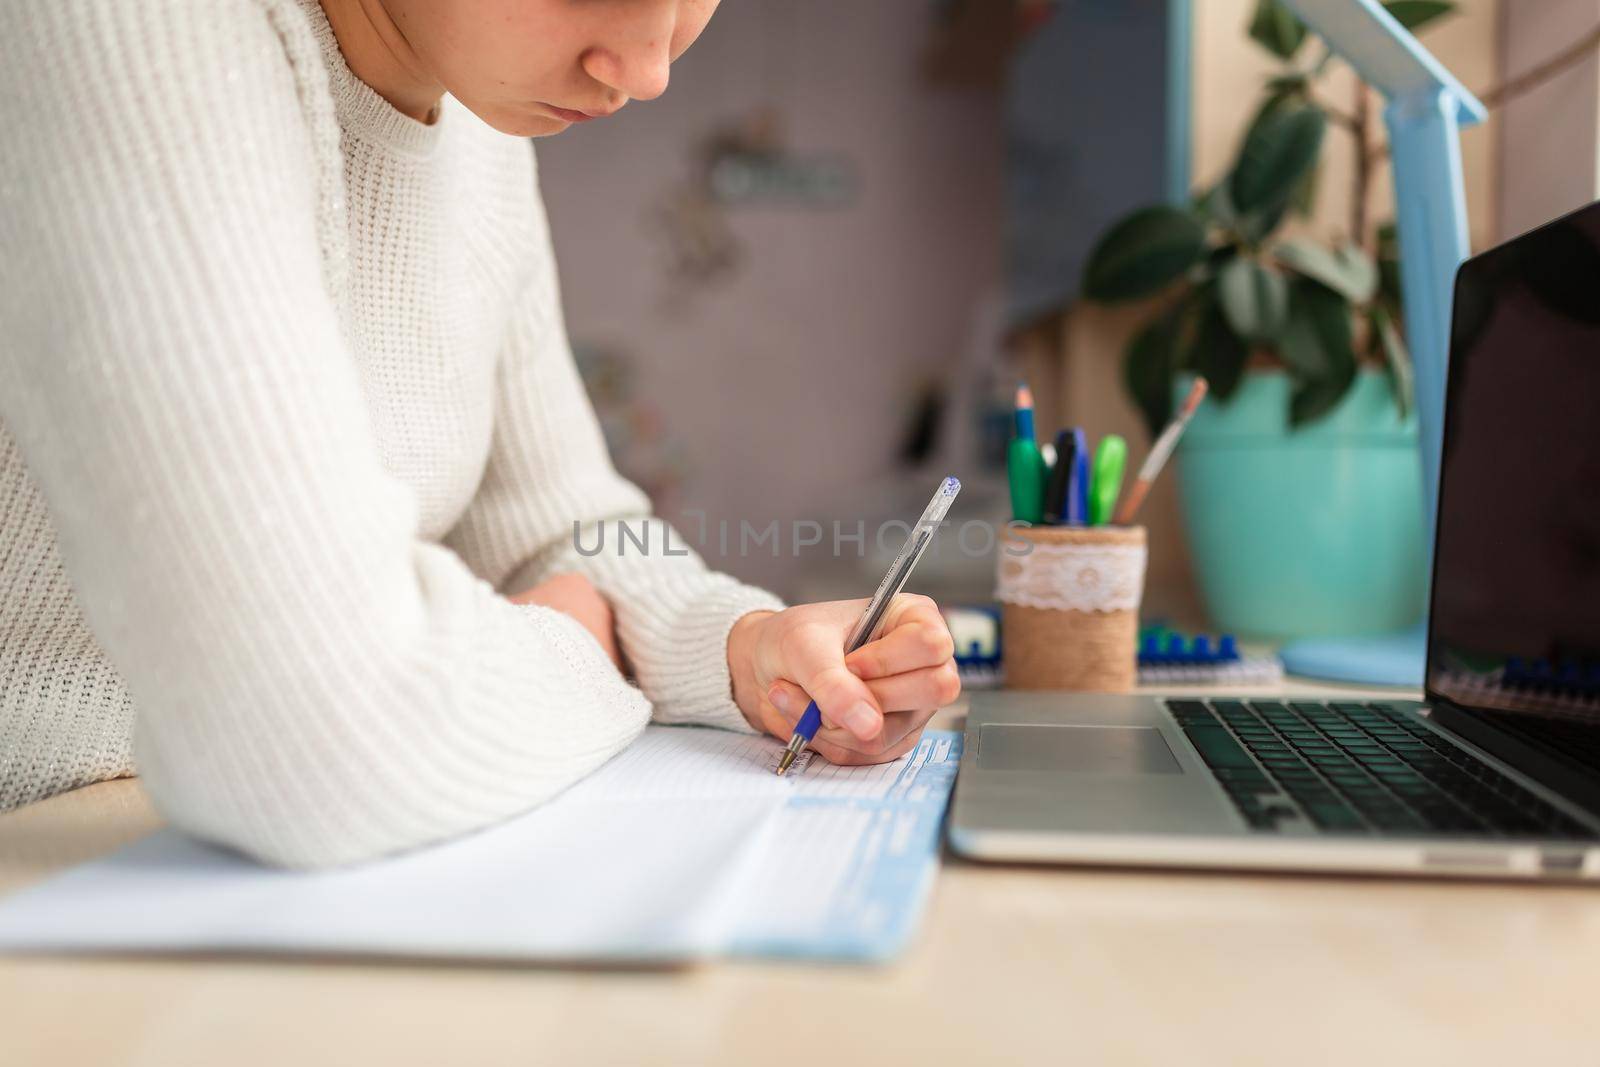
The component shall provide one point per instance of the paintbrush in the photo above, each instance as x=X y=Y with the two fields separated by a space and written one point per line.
x=1160 y=452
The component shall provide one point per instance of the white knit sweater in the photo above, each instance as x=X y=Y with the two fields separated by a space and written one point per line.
x=285 y=398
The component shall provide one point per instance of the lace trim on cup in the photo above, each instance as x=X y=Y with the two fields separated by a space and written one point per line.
x=1073 y=577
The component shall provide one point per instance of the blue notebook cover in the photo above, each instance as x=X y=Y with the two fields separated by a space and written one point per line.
x=870 y=900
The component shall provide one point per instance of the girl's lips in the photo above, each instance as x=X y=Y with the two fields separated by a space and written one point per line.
x=568 y=115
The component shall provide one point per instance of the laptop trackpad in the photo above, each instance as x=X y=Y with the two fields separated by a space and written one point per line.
x=1005 y=746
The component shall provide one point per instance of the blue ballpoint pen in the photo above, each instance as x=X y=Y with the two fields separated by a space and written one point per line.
x=866 y=627
x=1075 y=512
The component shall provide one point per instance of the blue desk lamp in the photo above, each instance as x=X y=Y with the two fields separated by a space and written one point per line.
x=1425 y=112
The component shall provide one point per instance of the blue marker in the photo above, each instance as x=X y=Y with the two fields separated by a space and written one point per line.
x=1077 y=505
x=866 y=628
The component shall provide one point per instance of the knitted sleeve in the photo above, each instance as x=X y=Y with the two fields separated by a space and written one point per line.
x=313 y=683
x=551 y=502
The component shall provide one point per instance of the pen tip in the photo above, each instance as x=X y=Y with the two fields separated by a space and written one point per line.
x=785 y=763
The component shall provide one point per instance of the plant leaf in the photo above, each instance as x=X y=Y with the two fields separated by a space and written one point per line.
x=1359 y=271
x=1144 y=252
x=1397 y=358
x=1389 y=290
x=1256 y=227
x=1317 y=345
x=1388 y=238
x=1276 y=29
x=1148 y=366
x=1292 y=83
x=1414 y=14
x=1389 y=265
x=1283 y=92
x=1217 y=258
x=1345 y=270
x=1304 y=197
x=1254 y=298
x=1276 y=154
x=1216 y=352
x=1218 y=206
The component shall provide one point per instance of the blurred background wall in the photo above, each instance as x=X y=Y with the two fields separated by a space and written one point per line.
x=1547 y=158
x=779 y=383
x=763 y=351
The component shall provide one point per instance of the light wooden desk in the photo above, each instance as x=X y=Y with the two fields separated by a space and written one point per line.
x=1013 y=965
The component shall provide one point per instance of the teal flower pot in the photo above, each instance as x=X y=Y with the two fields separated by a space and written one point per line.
x=1305 y=533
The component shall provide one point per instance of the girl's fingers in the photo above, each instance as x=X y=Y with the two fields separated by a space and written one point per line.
x=929 y=687
x=854 y=756
x=789 y=699
x=912 y=608
x=911 y=645
x=814 y=659
x=899 y=727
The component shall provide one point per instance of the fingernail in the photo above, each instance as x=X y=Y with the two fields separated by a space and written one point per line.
x=779 y=696
x=861 y=720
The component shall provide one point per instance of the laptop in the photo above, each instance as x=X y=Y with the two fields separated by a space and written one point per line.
x=1496 y=773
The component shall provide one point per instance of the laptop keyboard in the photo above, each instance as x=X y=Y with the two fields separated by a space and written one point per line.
x=1358 y=769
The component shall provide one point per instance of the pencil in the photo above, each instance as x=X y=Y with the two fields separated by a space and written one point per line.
x=1160 y=452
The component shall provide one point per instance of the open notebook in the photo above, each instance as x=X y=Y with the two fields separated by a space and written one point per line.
x=683 y=846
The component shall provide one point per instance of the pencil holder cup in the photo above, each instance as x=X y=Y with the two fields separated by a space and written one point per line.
x=1070 y=603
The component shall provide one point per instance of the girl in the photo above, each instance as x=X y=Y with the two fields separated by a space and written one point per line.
x=293 y=457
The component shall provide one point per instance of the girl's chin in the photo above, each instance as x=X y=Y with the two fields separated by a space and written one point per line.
x=529 y=123
x=545 y=128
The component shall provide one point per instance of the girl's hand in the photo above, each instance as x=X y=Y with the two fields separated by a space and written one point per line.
x=874 y=703
x=575 y=595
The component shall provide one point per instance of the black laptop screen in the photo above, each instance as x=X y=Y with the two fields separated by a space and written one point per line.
x=1515 y=625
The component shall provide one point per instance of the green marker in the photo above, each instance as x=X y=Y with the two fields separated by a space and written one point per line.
x=1025 y=465
x=1105 y=482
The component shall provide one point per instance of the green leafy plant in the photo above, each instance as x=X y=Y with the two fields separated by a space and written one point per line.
x=1237 y=294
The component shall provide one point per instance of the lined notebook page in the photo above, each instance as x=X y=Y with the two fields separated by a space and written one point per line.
x=824 y=780
x=676 y=763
